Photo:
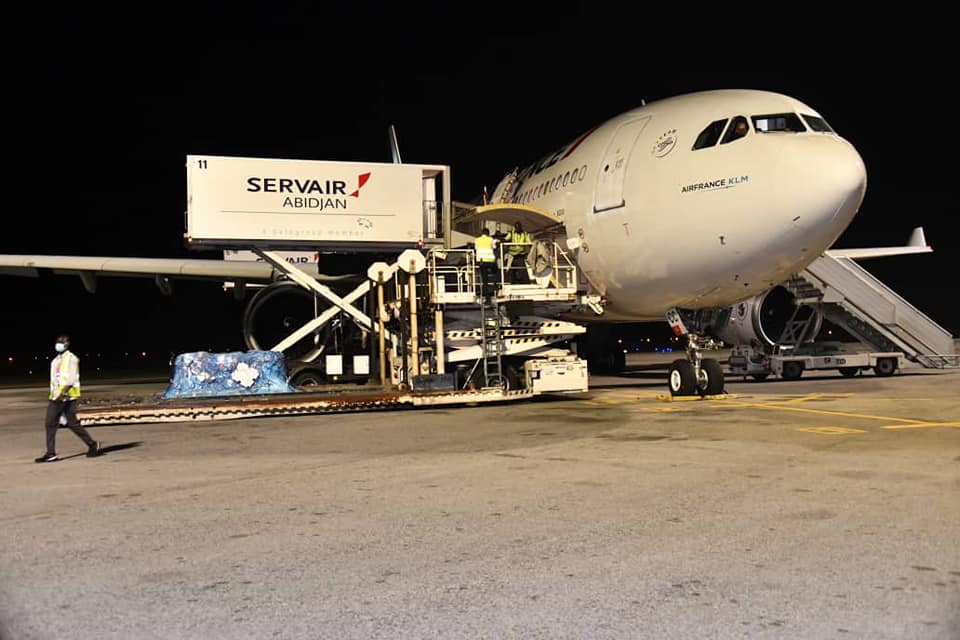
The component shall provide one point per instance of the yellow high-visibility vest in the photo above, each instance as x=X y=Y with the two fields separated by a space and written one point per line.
x=65 y=376
x=522 y=238
x=484 y=247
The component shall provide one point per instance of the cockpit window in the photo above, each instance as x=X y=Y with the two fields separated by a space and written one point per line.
x=737 y=129
x=817 y=123
x=778 y=122
x=709 y=136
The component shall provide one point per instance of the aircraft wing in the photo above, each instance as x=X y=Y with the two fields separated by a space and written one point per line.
x=161 y=269
x=916 y=244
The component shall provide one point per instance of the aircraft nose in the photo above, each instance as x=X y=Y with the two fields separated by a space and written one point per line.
x=831 y=181
x=847 y=180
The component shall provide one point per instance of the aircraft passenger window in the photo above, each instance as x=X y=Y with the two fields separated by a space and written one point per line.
x=709 y=136
x=778 y=122
x=738 y=129
x=817 y=123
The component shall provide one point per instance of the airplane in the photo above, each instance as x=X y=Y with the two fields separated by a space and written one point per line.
x=674 y=209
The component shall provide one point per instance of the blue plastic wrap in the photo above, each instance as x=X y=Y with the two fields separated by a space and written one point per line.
x=206 y=375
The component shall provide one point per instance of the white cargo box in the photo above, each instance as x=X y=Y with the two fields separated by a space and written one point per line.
x=292 y=204
x=567 y=373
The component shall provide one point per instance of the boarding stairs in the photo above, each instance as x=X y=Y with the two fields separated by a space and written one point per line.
x=804 y=322
x=850 y=297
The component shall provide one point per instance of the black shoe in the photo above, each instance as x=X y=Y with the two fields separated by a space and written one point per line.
x=47 y=457
x=94 y=450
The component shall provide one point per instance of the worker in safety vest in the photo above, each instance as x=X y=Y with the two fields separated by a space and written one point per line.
x=487 y=261
x=520 y=242
x=64 y=394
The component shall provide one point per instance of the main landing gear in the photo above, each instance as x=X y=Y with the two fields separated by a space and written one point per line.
x=696 y=375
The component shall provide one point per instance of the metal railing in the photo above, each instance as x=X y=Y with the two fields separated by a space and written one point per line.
x=550 y=269
x=548 y=275
x=453 y=275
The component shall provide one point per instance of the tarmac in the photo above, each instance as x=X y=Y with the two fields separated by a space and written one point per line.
x=825 y=507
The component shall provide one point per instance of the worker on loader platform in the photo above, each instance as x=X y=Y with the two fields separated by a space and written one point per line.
x=520 y=242
x=487 y=261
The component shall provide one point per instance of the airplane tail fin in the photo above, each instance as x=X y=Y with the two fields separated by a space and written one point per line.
x=916 y=244
x=394 y=145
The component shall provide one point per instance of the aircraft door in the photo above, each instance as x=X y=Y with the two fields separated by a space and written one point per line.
x=613 y=167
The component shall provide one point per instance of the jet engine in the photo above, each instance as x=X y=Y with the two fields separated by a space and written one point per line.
x=281 y=308
x=760 y=321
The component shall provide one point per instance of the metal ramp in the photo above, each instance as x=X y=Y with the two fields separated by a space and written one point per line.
x=852 y=298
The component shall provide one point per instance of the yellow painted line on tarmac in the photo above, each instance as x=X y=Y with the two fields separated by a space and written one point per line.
x=831 y=431
x=620 y=398
x=923 y=425
x=816 y=396
x=779 y=406
x=666 y=397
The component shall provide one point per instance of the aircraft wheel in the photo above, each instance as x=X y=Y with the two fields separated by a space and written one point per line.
x=849 y=372
x=792 y=370
x=711 y=378
x=885 y=367
x=682 y=378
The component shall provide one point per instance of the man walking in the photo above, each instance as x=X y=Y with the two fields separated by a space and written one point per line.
x=64 y=394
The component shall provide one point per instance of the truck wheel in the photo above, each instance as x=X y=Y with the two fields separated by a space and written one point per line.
x=849 y=372
x=759 y=377
x=885 y=367
x=514 y=377
x=307 y=379
x=792 y=370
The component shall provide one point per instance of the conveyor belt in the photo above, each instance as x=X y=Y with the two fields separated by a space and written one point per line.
x=228 y=408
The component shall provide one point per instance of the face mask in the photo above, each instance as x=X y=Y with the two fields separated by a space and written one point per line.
x=60 y=347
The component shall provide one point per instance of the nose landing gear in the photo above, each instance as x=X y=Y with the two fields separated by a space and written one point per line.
x=696 y=375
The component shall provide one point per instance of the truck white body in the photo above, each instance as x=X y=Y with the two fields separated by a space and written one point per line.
x=278 y=203
x=564 y=373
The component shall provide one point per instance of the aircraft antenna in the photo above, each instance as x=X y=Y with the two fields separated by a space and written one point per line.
x=394 y=145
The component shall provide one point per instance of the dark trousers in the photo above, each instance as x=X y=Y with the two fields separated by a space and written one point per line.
x=515 y=264
x=488 y=278
x=68 y=409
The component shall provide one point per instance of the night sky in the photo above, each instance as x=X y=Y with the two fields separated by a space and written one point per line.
x=104 y=109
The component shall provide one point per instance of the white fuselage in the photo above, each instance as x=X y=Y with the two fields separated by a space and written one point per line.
x=664 y=225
